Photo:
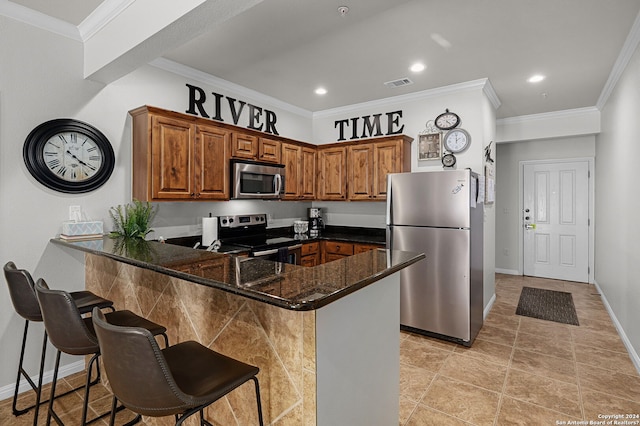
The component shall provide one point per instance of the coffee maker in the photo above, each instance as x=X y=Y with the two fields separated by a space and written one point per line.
x=315 y=221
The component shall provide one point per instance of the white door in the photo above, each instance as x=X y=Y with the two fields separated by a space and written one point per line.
x=556 y=220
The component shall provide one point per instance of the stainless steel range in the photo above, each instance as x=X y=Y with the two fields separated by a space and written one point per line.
x=250 y=231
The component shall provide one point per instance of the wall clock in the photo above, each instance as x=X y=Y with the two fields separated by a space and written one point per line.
x=447 y=120
x=68 y=156
x=448 y=160
x=457 y=140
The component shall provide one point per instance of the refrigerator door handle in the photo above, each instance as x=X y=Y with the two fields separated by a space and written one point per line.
x=389 y=201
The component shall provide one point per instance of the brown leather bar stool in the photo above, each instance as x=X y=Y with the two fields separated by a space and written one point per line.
x=25 y=303
x=179 y=380
x=72 y=334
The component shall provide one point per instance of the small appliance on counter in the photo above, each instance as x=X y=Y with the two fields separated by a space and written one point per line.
x=315 y=221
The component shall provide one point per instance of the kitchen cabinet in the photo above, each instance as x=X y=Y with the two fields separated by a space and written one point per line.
x=176 y=159
x=252 y=147
x=332 y=170
x=334 y=250
x=370 y=163
x=361 y=248
x=300 y=169
x=310 y=254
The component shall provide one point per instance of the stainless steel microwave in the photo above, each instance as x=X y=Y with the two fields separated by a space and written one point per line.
x=251 y=179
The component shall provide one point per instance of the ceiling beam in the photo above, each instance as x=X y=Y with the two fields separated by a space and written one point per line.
x=147 y=29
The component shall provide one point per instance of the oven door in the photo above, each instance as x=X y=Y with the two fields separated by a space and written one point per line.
x=257 y=180
x=292 y=255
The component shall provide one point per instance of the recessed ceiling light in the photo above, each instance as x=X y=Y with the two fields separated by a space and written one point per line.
x=321 y=91
x=536 y=78
x=417 y=67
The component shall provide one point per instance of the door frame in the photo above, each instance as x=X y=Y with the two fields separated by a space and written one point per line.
x=591 y=189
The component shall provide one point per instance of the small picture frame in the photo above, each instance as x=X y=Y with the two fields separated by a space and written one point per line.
x=430 y=146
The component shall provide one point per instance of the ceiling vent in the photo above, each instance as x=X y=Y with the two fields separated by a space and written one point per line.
x=400 y=82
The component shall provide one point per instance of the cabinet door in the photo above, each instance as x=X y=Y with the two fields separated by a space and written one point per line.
x=360 y=175
x=387 y=158
x=244 y=146
x=361 y=248
x=333 y=173
x=308 y=174
x=269 y=150
x=290 y=159
x=212 y=163
x=172 y=158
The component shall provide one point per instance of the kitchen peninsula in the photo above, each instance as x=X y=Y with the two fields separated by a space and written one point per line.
x=324 y=337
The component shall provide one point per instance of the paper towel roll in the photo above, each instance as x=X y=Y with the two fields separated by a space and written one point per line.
x=209 y=230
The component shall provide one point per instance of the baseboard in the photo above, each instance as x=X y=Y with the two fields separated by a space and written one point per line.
x=63 y=371
x=627 y=343
x=487 y=309
x=507 y=271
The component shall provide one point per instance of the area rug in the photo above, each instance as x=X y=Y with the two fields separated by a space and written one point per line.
x=547 y=305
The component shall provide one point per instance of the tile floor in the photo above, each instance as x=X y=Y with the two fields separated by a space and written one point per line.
x=519 y=370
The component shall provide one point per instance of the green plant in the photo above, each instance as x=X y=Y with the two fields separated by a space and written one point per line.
x=132 y=220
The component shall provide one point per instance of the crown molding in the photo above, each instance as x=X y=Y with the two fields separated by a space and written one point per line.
x=205 y=78
x=628 y=49
x=567 y=113
x=39 y=20
x=101 y=16
x=482 y=83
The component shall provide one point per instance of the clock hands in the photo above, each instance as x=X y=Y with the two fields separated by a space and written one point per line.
x=79 y=160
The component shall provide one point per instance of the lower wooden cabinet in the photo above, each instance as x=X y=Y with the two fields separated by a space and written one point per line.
x=310 y=254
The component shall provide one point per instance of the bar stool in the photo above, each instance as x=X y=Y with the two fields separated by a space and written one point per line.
x=179 y=380
x=72 y=334
x=25 y=303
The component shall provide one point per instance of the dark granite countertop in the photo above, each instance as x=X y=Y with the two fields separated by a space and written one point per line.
x=348 y=234
x=288 y=286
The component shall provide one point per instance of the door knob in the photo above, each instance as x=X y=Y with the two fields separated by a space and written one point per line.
x=529 y=226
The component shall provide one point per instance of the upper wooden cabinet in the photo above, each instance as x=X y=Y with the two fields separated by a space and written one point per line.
x=332 y=171
x=370 y=163
x=300 y=171
x=176 y=159
x=251 y=147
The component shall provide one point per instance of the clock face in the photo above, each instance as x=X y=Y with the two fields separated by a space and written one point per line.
x=68 y=156
x=447 y=120
x=448 y=160
x=72 y=156
x=457 y=140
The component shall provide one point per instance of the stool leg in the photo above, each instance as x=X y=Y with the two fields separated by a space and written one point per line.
x=255 y=380
x=85 y=406
x=14 y=407
x=39 y=391
x=50 y=411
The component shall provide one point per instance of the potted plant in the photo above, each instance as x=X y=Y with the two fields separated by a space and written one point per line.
x=132 y=220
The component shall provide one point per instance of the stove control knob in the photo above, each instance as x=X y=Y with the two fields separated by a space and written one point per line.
x=224 y=221
x=230 y=220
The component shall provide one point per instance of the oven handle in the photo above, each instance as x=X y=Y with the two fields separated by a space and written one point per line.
x=274 y=251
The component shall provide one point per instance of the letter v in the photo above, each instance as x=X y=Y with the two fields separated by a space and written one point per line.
x=235 y=115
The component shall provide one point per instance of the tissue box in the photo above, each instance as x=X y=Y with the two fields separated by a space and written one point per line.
x=72 y=229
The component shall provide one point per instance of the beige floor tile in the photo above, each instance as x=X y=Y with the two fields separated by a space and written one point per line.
x=602 y=358
x=610 y=342
x=422 y=354
x=514 y=412
x=545 y=344
x=414 y=381
x=543 y=365
x=617 y=384
x=487 y=351
x=475 y=371
x=432 y=342
x=462 y=400
x=504 y=308
x=497 y=335
x=425 y=416
x=510 y=322
x=406 y=409
x=548 y=393
x=596 y=403
x=554 y=330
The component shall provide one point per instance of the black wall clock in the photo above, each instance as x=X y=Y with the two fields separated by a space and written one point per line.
x=68 y=156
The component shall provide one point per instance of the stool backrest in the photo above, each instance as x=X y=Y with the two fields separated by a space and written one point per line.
x=65 y=326
x=23 y=295
x=138 y=373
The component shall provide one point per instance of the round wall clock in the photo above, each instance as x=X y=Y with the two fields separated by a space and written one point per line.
x=68 y=156
x=447 y=120
x=448 y=160
x=457 y=140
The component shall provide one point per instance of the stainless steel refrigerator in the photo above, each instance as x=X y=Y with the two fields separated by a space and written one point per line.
x=438 y=213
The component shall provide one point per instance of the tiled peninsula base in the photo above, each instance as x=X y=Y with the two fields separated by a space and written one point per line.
x=335 y=365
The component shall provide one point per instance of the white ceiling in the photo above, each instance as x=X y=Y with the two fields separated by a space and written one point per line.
x=286 y=48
